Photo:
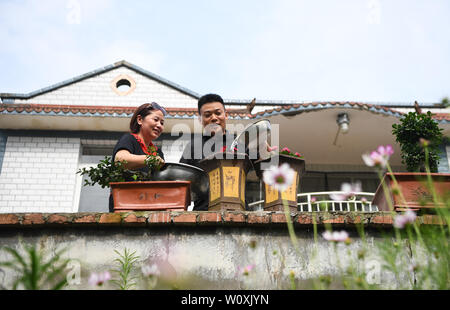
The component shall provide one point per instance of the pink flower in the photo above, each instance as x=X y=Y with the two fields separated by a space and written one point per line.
x=285 y=149
x=336 y=236
x=244 y=271
x=99 y=279
x=313 y=199
x=378 y=158
x=279 y=177
x=298 y=154
x=348 y=190
x=408 y=217
x=272 y=148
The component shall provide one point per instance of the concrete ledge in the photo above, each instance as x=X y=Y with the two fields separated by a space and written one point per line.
x=204 y=218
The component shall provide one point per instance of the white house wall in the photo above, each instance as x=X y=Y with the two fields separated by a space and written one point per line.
x=39 y=174
x=97 y=91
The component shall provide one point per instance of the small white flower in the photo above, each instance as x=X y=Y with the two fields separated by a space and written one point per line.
x=336 y=236
x=150 y=270
x=279 y=177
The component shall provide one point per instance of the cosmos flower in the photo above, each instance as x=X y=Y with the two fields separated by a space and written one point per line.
x=98 y=279
x=336 y=236
x=406 y=218
x=348 y=190
x=245 y=270
x=378 y=158
x=279 y=177
x=150 y=270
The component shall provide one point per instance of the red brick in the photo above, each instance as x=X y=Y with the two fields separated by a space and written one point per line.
x=185 y=218
x=159 y=217
x=335 y=220
x=110 y=218
x=382 y=219
x=209 y=217
x=253 y=218
x=306 y=219
x=33 y=219
x=57 y=219
x=9 y=219
x=86 y=219
x=132 y=219
x=278 y=218
x=232 y=217
x=355 y=219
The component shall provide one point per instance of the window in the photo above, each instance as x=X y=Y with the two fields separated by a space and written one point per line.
x=123 y=85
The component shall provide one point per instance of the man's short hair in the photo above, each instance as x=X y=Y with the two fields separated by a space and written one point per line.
x=208 y=98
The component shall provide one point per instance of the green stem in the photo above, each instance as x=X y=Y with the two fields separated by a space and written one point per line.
x=287 y=214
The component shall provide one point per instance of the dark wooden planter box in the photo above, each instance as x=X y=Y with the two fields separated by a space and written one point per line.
x=151 y=195
x=414 y=188
x=226 y=180
x=273 y=199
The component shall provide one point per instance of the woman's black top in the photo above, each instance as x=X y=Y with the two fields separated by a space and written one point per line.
x=128 y=142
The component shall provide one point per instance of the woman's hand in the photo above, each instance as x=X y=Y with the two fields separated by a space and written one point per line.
x=161 y=162
x=132 y=161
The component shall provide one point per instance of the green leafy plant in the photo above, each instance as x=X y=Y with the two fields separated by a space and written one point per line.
x=108 y=171
x=34 y=270
x=412 y=128
x=125 y=265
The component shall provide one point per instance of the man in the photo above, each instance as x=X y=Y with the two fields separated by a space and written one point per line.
x=214 y=139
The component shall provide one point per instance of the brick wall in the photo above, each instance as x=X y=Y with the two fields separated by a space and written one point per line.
x=39 y=174
x=3 y=139
x=97 y=91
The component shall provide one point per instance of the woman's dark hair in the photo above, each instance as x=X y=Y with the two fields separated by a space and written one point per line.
x=143 y=111
x=208 y=98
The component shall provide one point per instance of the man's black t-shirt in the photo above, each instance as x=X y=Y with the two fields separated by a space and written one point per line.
x=128 y=142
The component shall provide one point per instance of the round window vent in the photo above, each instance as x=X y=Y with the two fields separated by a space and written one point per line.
x=123 y=85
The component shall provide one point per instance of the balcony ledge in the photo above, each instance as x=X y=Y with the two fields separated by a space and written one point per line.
x=201 y=218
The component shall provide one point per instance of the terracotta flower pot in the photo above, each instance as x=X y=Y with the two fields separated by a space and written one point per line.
x=151 y=195
x=227 y=173
x=414 y=188
x=273 y=199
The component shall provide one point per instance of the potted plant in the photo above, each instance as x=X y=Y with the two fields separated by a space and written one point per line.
x=419 y=137
x=135 y=190
x=273 y=199
x=412 y=128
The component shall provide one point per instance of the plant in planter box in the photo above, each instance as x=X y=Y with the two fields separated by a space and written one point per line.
x=408 y=133
x=108 y=171
x=135 y=190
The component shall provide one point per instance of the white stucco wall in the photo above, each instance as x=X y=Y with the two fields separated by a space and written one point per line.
x=97 y=91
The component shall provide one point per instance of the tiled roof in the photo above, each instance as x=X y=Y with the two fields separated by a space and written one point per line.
x=109 y=111
x=106 y=111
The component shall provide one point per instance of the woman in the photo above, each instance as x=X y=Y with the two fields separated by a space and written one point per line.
x=147 y=124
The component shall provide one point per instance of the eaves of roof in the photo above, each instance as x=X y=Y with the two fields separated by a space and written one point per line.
x=188 y=113
x=98 y=71
x=99 y=111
